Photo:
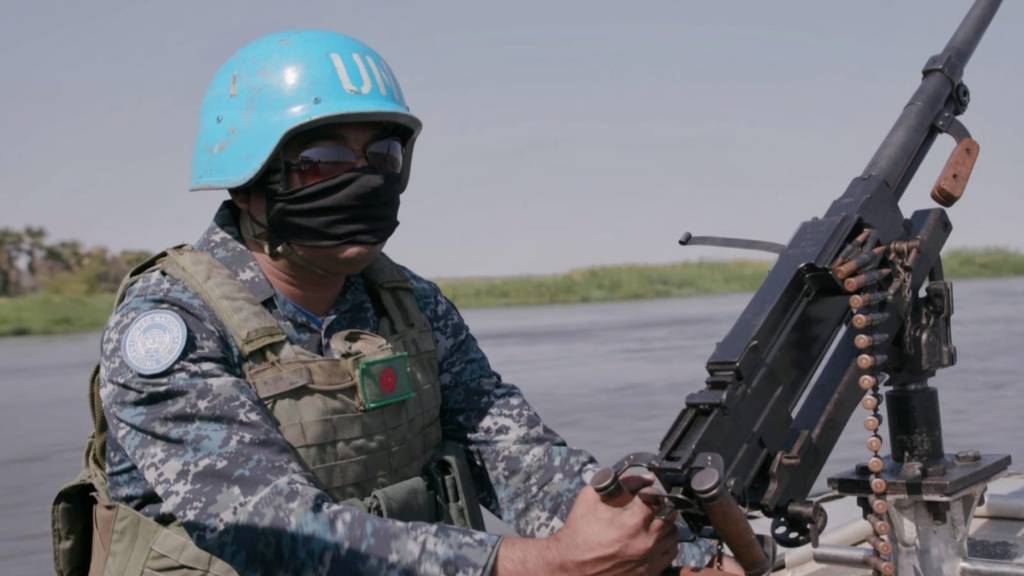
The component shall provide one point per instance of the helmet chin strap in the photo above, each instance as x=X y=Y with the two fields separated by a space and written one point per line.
x=301 y=261
x=252 y=229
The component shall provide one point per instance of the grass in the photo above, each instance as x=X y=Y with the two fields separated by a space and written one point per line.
x=48 y=313
x=631 y=282
x=634 y=282
x=983 y=263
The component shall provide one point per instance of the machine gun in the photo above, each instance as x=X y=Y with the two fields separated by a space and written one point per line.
x=855 y=301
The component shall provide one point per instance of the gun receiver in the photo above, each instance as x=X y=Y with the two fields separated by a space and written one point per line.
x=783 y=382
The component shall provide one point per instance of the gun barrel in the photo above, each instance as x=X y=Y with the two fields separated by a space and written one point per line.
x=910 y=138
x=961 y=46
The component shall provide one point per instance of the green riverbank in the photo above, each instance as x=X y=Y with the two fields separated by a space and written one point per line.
x=46 y=313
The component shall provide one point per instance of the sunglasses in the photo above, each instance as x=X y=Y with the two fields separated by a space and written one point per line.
x=323 y=161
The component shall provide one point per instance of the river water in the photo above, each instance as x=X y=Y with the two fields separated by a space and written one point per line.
x=610 y=377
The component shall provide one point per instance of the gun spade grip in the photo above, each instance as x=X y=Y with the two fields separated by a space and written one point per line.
x=729 y=521
x=608 y=486
x=953 y=179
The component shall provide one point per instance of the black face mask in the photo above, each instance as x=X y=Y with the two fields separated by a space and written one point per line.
x=357 y=207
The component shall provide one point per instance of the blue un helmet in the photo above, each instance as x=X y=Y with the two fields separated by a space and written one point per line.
x=283 y=83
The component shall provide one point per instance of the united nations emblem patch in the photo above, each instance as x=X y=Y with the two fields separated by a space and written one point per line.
x=154 y=341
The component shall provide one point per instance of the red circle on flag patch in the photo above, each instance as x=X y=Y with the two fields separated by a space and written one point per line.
x=388 y=380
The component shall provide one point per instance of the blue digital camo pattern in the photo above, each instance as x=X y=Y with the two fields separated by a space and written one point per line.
x=195 y=444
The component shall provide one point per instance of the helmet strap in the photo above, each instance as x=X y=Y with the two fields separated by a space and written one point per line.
x=257 y=229
x=259 y=232
x=301 y=261
x=252 y=229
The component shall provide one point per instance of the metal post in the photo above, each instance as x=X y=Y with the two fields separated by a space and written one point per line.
x=930 y=536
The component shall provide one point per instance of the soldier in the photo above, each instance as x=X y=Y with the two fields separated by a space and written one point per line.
x=280 y=397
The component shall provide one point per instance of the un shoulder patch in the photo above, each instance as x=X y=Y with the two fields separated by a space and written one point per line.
x=154 y=341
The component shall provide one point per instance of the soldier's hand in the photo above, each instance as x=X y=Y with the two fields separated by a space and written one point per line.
x=731 y=566
x=598 y=539
x=601 y=539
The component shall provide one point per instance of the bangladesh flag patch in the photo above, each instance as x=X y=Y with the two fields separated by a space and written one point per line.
x=384 y=381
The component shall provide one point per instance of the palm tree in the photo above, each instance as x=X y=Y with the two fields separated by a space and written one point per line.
x=65 y=256
x=34 y=249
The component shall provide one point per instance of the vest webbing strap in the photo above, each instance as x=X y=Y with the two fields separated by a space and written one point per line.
x=246 y=320
x=140 y=269
x=386 y=279
x=298 y=374
x=385 y=273
x=96 y=448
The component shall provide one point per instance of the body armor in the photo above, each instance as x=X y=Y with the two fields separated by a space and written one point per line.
x=364 y=421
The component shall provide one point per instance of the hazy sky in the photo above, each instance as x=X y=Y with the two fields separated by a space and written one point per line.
x=556 y=134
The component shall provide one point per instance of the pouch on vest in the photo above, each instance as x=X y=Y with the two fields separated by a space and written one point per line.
x=408 y=501
x=445 y=492
x=126 y=543
x=71 y=527
x=448 y=473
x=382 y=375
x=71 y=514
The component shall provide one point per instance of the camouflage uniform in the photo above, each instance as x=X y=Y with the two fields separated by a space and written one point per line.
x=196 y=444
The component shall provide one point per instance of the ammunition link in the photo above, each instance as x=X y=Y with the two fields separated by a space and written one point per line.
x=857 y=267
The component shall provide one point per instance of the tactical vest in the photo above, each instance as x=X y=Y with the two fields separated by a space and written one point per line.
x=367 y=449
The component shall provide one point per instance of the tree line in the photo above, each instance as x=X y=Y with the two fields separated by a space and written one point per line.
x=30 y=262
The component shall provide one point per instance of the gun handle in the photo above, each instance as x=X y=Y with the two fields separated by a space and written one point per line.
x=608 y=485
x=730 y=522
x=957 y=171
